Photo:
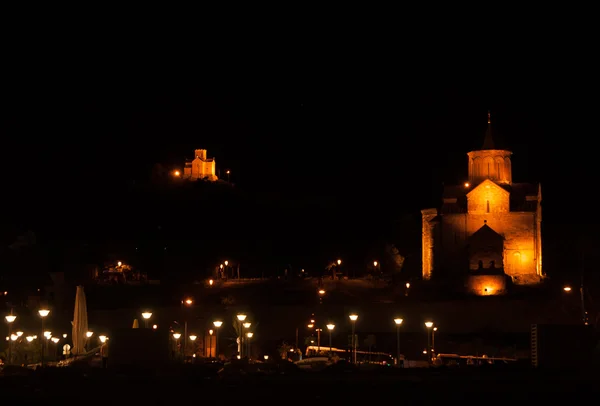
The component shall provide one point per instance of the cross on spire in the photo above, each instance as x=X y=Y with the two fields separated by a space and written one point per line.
x=488 y=141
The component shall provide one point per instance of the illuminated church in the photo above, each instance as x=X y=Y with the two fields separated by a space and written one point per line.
x=488 y=229
x=201 y=167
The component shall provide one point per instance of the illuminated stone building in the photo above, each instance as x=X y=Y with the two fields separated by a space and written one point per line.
x=488 y=229
x=200 y=167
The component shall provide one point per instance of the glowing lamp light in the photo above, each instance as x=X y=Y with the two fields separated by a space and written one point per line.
x=247 y=325
x=566 y=289
x=241 y=317
x=102 y=339
x=210 y=282
x=467 y=184
x=19 y=333
x=47 y=334
x=146 y=315
x=89 y=334
x=177 y=173
x=119 y=263
x=14 y=337
x=155 y=326
x=217 y=323
x=29 y=339
x=321 y=292
x=428 y=324
x=189 y=302
x=226 y=263
x=339 y=262
x=266 y=357
x=55 y=340
x=193 y=337
x=398 y=321
x=43 y=312
x=330 y=327
x=176 y=336
x=10 y=318
x=249 y=335
x=375 y=263
x=310 y=326
x=211 y=332
x=353 y=317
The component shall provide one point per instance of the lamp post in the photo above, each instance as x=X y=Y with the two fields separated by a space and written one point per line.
x=193 y=339
x=330 y=328
x=433 y=340
x=249 y=352
x=176 y=336
x=353 y=318
x=188 y=303
x=319 y=330
x=10 y=319
x=217 y=325
x=246 y=325
x=146 y=316
x=43 y=314
x=398 y=322
x=210 y=336
x=429 y=325
x=241 y=318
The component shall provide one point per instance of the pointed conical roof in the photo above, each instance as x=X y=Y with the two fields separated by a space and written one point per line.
x=488 y=141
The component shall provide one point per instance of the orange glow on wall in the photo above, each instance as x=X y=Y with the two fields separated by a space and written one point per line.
x=486 y=285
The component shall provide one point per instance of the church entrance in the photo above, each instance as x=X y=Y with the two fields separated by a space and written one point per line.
x=485 y=251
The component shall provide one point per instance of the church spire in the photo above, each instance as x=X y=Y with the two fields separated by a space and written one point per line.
x=488 y=141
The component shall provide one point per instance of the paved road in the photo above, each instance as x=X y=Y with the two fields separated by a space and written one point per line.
x=421 y=388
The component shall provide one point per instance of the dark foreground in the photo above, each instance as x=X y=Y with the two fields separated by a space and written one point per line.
x=66 y=387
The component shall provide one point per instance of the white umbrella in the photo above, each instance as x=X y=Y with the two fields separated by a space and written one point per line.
x=80 y=322
x=136 y=324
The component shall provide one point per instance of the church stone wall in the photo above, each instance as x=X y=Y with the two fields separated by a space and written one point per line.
x=428 y=241
x=488 y=198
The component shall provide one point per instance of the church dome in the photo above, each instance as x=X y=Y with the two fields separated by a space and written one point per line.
x=491 y=161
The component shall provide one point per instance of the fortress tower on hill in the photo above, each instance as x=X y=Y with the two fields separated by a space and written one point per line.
x=488 y=229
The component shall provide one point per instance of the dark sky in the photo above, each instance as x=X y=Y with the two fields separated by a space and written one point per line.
x=362 y=133
x=370 y=135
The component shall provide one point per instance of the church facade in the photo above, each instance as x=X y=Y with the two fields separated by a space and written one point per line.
x=200 y=167
x=488 y=229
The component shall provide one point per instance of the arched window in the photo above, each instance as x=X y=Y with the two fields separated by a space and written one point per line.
x=488 y=206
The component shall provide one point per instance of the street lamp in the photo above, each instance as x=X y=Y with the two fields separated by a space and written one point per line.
x=249 y=335
x=353 y=318
x=146 y=316
x=398 y=322
x=10 y=319
x=567 y=288
x=188 y=302
x=43 y=314
x=102 y=339
x=330 y=327
x=217 y=325
x=433 y=339
x=210 y=334
x=241 y=318
x=429 y=325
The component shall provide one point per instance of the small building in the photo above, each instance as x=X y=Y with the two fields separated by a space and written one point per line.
x=200 y=167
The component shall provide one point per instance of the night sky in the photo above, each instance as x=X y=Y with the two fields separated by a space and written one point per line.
x=356 y=135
